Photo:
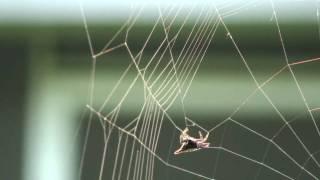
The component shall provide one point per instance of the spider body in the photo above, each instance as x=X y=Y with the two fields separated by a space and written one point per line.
x=190 y=144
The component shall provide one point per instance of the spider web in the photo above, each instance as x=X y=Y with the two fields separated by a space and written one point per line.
x=158 y=75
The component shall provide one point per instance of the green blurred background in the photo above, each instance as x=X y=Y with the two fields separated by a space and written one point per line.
x=45 y=75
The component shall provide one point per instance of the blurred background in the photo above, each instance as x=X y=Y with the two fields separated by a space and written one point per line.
x=45 y=81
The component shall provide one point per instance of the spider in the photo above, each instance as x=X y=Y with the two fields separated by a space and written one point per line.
x=190 y=144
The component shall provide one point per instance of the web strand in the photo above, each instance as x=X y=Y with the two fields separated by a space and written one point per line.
x=167 y=76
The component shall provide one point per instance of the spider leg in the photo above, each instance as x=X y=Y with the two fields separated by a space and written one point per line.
x=200 y=135
x=205 y=145
x=185 y=131
x=184 y=135
x=180 y=150
x=206 y=137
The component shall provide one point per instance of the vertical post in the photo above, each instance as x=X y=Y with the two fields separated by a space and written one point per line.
x=48 y=137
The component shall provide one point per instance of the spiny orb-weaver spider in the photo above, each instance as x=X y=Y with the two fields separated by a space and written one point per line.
x=190 y=144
